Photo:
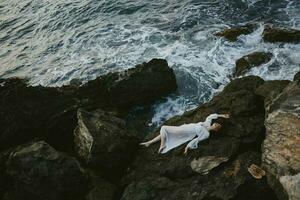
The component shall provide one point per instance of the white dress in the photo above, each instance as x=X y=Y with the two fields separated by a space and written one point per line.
x=177 y=135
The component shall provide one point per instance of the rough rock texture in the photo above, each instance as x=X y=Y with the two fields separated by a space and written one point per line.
x=40 y=172
x=292 y=185
x=50 y=114
x=275 y=34
x=101 y=188
x=230 y=182
x=244 y=131
x=232 y=34
x=203 y=165
x=281 y=148
x=245 y=63
x=271 y=89
x=297 y=76
x=103 y=141
x=142 y=84
x=5 y=180
x=27 y=112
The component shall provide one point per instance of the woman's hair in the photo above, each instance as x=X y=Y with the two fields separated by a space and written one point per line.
x=217 y=126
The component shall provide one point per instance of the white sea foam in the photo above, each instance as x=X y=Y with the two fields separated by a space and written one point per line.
x=53 y=42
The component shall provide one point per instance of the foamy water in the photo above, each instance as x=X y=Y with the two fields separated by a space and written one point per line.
x=53 y=42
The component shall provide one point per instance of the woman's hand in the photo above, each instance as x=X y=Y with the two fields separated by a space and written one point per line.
x=225 y=115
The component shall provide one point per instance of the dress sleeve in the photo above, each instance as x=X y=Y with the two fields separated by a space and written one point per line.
x=193 y=144
x=211 y=117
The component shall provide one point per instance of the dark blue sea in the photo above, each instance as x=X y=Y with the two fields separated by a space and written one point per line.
x=51 y=42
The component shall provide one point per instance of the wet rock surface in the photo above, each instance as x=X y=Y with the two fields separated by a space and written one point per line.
x=280 y=34
x=255 y=59
x=233 y=33
x=297 y=76
x=136 y=86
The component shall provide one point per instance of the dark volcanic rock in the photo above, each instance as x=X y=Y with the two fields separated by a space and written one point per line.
x=47 y=113
x=271 y=89
x=232 y=181
x=274 y=34
x=281 y=148
x=103 y=141
x=40 y=172
x=232 y=34
x=5 y=180
x=27 y=112
x=142 y=84
x=297 y=76
x=242 y=132
x=101 y=188
x=245 y=63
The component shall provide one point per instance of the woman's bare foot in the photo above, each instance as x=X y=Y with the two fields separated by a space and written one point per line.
x=146 y=144
x=161 y=148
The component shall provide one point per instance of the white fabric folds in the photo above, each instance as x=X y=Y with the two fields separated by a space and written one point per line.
x=193 y=132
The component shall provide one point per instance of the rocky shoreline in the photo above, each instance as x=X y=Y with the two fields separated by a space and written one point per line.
x=73 y=142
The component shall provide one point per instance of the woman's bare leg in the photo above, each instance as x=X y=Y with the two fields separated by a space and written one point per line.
x=156 y=139
x=162 y=136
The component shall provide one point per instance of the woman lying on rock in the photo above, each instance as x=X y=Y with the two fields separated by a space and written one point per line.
x=173 y=136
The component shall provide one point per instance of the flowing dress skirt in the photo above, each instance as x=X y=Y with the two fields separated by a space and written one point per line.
x=177 y=135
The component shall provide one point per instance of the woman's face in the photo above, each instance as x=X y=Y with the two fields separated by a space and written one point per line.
x=216 y=127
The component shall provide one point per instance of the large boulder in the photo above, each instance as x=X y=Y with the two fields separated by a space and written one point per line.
x=40 y=172
x=279 y=34
x=271 y=89
x=233 y=33
x=50 y=113
x=28 y=112
x=231 y=181
x=139 y=85
x=281 y=148
x=244 y=131
x=102 y=141
x=255 y=59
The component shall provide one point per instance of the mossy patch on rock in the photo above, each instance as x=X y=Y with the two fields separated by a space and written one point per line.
x=245 y=63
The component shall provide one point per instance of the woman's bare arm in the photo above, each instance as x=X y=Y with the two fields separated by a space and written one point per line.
x=224 y=115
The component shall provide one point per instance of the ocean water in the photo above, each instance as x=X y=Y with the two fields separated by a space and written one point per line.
x=54 y=41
